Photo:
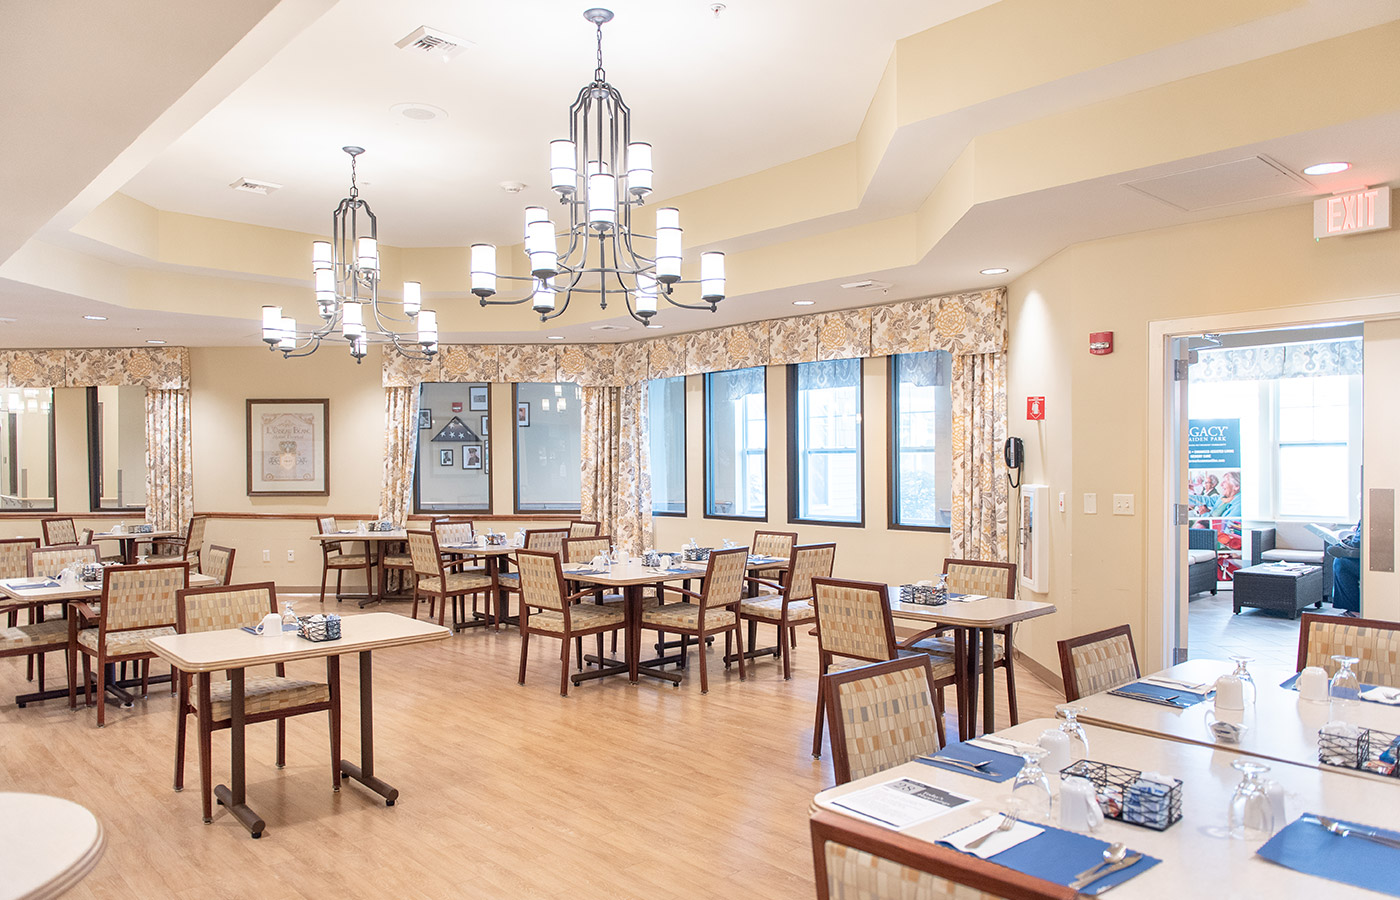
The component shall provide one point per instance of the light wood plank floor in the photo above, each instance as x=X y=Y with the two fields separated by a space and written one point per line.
x=619 y=791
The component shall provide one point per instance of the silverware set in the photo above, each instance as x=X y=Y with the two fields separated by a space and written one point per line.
x=1342 y=830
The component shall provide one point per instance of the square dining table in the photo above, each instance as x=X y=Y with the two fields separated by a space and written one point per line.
x=374 y=542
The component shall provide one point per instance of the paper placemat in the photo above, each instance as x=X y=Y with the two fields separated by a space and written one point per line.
x=1058 y=856
x=1003 y=766
x=1156 y=693
x=1305 y=846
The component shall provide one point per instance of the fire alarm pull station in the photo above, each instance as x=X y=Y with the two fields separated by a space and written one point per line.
x=1101 y=343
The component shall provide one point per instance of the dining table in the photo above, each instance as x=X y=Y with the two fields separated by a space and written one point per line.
x=47 y=845
x=374 y=542
x=234 y=650
x=979 y=616
x=128 y=539
x=493 y=558
x=1198 y=857
x=1278 y=724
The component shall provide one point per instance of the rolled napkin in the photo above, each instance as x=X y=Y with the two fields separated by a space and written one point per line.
x=1389 y=696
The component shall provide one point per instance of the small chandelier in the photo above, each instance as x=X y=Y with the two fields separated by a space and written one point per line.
x=600 y=175
x=347 y=287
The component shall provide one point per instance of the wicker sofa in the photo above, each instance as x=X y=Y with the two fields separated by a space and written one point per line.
x=1201 y=573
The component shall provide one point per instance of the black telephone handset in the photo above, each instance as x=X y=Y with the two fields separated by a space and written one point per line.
x=1015 y=458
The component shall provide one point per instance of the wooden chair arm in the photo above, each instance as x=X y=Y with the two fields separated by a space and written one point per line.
x=81 y=609
x=678 y=590
x=777 y=585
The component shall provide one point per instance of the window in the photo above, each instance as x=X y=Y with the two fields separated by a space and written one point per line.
x=117 y=447
x=453 y=470
x=27 y=449
x=666 y=419
x=1313 y=456
x=736 y=444
x=548 y=447
x=824 y=437
x=921 y=426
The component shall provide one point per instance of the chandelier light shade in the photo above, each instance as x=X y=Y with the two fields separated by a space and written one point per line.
x=601 y=177
x=346 y=272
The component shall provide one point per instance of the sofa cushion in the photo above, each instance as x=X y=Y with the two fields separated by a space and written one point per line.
x=1200 y=556
x=1288 y=554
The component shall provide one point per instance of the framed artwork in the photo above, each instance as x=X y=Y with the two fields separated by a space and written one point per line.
x=522 y=414
x=471 y=456
x=485 y=429
x=445 y=457
x=477 y=395
x=425 y=418
x=287 y=449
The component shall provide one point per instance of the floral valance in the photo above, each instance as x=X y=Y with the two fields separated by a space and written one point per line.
x=1310 y=359
x=961 y=324
x=154 y=368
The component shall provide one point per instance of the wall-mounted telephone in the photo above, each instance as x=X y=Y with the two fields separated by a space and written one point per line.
x=1015 y=459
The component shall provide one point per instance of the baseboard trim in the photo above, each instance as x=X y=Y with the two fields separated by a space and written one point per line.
x=1051 y=678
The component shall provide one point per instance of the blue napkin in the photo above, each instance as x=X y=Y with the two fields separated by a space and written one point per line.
x=1057 y=855
x=1305 y=846
x=683 y=570
x=1004 y=766
x=1156 y=692
x=35 y=586
x=1292 y=685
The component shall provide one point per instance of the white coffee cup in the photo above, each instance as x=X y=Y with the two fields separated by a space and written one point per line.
x=1229 y=693
x=1058 y=751
x=271 y=625
x=1312 y=684
x=1079 y=805
x=622 y=557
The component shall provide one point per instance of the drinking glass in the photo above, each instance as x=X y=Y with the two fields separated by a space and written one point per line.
x=1345 y=689
x=1032 y=787
x=1248 y=688
x=1071 y=727
x=1251 y=809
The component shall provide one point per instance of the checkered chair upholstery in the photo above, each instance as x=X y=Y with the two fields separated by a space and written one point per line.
x=455 y=532
x=432 y=578
x=1098 y=662
x=14 y=563
x=882 y=715
x=1375 y=643
x=546 y=540
x=715 y=610
x=582 y=528
x=219 y=564
x=51 y=561
x=334 y=558
x=59 y=531
x=853 y=620
x=792 y=604
x=546 y=609
x=777 y=544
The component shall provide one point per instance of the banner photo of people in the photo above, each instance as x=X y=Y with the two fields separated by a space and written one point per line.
x=1214 y=488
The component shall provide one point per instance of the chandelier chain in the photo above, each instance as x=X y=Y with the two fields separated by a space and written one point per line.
x=598 y=73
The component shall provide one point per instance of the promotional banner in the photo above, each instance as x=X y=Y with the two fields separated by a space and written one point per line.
x=1214 y=487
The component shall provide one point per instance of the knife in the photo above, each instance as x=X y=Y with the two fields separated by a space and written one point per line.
x=1131 y=859
x=957 y=763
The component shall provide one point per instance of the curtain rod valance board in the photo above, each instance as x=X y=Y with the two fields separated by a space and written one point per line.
x=154 y=368
x=962 y=324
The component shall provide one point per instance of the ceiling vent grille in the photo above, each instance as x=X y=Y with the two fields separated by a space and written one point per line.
x=431 y=40
x=249 y=186
x=868 y=284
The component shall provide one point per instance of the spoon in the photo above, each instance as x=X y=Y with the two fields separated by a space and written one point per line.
x=1112 y=854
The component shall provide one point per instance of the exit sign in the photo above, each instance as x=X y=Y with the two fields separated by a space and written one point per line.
x=1354 y=212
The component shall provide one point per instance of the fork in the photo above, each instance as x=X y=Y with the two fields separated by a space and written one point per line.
x=961 y=763
x=1341 y=830
x=1007 y=823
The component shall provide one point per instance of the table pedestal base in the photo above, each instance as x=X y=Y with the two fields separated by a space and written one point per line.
x=240 y=811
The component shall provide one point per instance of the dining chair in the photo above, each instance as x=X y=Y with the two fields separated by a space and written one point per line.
x=456 y=532
x=546 y=608
x=713 y=611
x=335 y=559
x=51 y=561
x=545 y=540
x=265 y=697
x=854 y=859
x=1375 y=643
x=790 y=604
x=138 y=603
x=58 y=531
x=14 y=563
x=188 y=547
x=777 y=544
x=855 y=627
x=219 y=565
x=433 y=578
x=1099 y=661
x=584 y=528
x=882 y=715
x=85 y=537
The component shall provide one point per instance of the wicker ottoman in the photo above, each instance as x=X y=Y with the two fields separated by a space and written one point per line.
x=1281 y=587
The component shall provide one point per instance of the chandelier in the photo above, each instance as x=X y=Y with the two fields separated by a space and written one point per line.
x=600 y=175
x=347 y=291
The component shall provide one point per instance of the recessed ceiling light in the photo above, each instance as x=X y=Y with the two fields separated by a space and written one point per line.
x=803 y=302
x=512 y=187
x=996 y=270
x=1327 y=168
x=419 y=112
x=154 y=341
x=95 y=318
x=556 y=337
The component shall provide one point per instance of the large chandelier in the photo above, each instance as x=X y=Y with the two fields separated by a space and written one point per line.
x=347 y=292
x=600 y=175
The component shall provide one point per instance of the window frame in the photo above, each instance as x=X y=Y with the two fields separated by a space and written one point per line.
x=418 y=509
x=892 y=458
x=685 y=434
x=793 y=452
x=705 y=448
x=94 y=443
x=575 y=510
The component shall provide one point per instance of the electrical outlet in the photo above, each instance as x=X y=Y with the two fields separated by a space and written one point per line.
x=1091 y=504
x=291 y=556
x=267 y=556
x=1123 y=505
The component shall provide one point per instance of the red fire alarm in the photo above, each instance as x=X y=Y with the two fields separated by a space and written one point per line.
x=1035 y=408
x=457 y=407
x=1100 y=342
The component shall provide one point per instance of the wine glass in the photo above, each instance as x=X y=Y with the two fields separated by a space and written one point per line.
x=1074 y=729
x=1032 y=787
x=1345 y=688
x=1248 y=688
x=1251 y=810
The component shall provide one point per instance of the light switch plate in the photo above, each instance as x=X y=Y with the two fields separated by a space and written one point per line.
x=1123 y=505
x=1091 y=504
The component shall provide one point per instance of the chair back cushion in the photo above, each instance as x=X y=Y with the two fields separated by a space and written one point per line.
x=853 y=873
x=142 y=596
x=853 y=619
x=882 y=716
x=583 y=529
x=546 y=540
x=422 y=549
x=1376 y=648
x=14 y=556
x=1103 y=665
x=539 y=580
x=777 y=544
x=59 y=531
x=972 y=576
x=583 y=549
x=808 y=562
x=51 y=561
x=217 y=609
x=327 y=526
x=218 y=563
x=453 y=533
x=194 y=536
x=724 y=578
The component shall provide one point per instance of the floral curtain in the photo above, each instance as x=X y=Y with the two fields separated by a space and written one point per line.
x=169 y=468
x=400 y=449
x=616 y=480
x=979 y=526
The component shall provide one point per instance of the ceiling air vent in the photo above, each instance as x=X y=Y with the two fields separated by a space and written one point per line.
x=248 y=185
x=431 y=40
x=867 y=285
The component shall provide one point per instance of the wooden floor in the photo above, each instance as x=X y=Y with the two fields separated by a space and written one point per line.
x=618 y=791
